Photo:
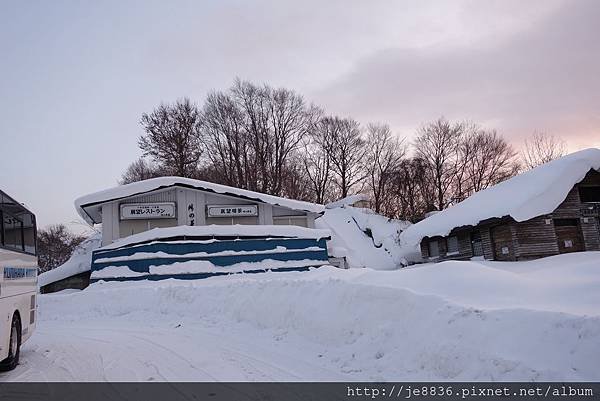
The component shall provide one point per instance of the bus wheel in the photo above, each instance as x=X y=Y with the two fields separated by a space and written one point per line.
x=14 y=346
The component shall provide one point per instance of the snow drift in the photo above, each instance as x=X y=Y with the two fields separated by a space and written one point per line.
x=520 y=321
x=533 y=193
x=364 y=238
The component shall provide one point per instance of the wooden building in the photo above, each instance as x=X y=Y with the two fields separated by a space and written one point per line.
x=527 y=226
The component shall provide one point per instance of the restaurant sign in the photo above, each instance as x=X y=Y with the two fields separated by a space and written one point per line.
x=232 y=210
x=148 y=211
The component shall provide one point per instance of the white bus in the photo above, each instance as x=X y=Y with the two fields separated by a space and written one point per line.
x=18 y=279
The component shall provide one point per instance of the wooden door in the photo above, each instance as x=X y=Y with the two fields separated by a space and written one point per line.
x=568 y=235
x=476 y=243
x=502 y=243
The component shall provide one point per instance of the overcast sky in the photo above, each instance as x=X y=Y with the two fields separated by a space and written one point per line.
x=75 y=77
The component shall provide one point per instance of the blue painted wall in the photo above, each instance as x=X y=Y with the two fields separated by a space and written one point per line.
x=297 y=246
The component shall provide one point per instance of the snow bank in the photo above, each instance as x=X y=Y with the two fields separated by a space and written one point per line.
x=237 y=230
x=539 y=320
x=152 y=184
x=568 y=283
x=79 y=262
x=533 y=193
x=364 y=238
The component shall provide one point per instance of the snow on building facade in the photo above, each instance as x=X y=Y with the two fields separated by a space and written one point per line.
x=551 y=209
x=175 y=201
x=173 y=226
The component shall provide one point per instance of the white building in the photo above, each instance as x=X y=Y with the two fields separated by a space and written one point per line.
x=175 y=201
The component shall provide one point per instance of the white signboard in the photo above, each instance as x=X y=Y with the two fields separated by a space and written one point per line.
x=232 y=210
x=148 y=211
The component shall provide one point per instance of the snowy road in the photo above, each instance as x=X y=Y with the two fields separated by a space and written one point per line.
x=132 y=353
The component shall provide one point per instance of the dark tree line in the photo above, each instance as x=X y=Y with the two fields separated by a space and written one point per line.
x=271 y=140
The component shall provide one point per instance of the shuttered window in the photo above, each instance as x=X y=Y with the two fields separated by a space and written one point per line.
x=434 y=249
x=452 y=244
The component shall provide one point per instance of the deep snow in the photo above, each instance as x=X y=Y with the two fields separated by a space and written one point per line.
x=530 y=194
x=366 y=239
x=537 y=320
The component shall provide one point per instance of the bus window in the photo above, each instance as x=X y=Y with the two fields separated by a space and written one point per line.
x=13 y=232
x=29 y=232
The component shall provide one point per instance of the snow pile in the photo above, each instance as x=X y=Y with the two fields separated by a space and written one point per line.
x=514 y=321
x=153 y=184
x=364 y=238
x=565 y=283
x=347 y=201
x=79 y=262
x=533 y=193
x=236 y=230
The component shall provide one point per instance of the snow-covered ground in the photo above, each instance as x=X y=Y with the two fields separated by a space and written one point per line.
x=537 y=320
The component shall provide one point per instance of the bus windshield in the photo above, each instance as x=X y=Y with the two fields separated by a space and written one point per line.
x=17 y=226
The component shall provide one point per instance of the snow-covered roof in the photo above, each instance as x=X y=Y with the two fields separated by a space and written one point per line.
x=534 y=193
x=86 y=202
x=79 y=262
x=347 y=201
x=213 y=230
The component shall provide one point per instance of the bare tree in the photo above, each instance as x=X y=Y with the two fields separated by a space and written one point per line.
x=411 y=190
x=291 y=121
x=342 y=141
x=252 y=101
x=55 y=245
x=172 y=137
x=140 y=170
x=318 y=171
x=382 y=158
x=490 y=160
x=270 y=140
x=254 y=132
x=226 y=141
x=437 y=145
x=295 y=183
x=542 y=148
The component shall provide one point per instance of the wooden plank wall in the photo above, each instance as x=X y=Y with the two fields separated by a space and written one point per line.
x=486 y=239
x=572 y=206
x=464 y=247
x=503 y=239
x=591 y=233
x=535 y=238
